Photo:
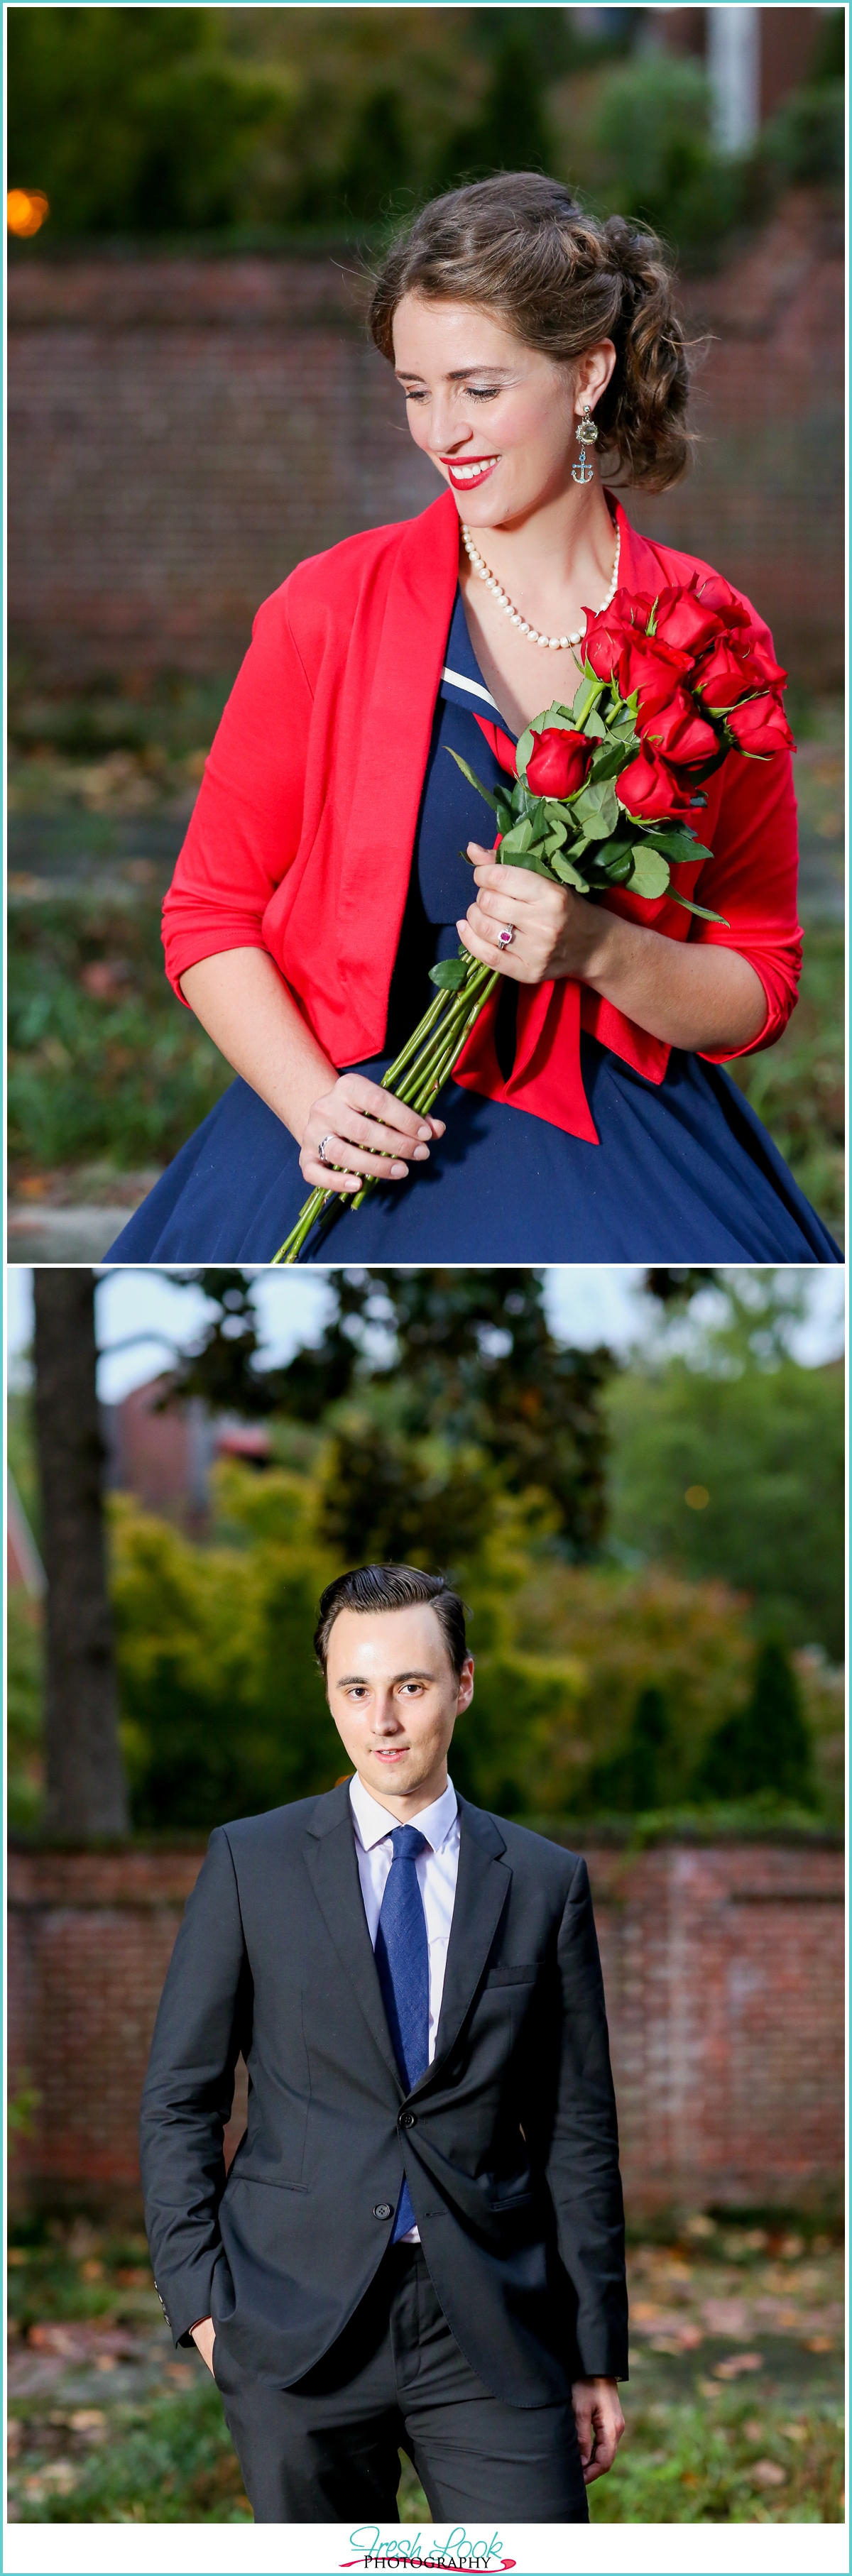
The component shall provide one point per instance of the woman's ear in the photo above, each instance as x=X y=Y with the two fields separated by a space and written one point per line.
x=593 y=373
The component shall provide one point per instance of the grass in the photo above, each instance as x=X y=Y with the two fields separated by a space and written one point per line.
x=105 y=1065
x=727 y=2460
x=168 y=2460
x=712 y=2435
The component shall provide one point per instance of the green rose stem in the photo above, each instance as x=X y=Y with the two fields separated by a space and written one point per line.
x=417 y=1075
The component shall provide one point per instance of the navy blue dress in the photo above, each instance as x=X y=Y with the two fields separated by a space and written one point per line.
x=684 y=1171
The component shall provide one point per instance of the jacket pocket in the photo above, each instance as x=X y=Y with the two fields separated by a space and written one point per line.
x=267 y=2181
x=514 y=1976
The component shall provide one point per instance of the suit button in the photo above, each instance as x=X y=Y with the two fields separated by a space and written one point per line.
x=408 y=2119
x=382 y=2209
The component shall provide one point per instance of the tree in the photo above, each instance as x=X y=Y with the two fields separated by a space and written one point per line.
x=379 y=160
x=766 y=1744
x=472 y=1361
x=511 y=131
x=384 y=1501
x=640 y=1776
x=85 y=1793
x=133 y=120
x=727 y=1417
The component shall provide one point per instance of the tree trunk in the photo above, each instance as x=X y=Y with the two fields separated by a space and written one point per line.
x=86 y=1794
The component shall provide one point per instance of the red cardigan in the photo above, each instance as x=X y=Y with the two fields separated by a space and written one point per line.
x=302 y=836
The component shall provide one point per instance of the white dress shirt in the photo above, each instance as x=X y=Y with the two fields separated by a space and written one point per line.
x=437 y=1871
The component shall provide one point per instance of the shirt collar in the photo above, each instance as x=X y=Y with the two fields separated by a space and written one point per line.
x=373 y=1823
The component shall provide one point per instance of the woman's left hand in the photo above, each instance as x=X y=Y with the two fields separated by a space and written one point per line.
x=554 y=931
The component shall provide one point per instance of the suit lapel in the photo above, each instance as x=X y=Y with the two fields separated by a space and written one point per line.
x=482 y=1887
x=332 y=1867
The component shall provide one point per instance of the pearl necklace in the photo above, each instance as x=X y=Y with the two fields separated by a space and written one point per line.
x=554 y=643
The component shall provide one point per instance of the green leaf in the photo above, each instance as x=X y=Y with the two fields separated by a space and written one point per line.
x=608 y=762
x=532 y=859
x=678 y=846
x=450 y=974
x=610 y=862
x=519 y=839
x=650 y=875
x=699 y=908
x=568 y=874
x=527 y=801
x=557 y=835
x=524 y=749
x=596 y=809
x=594 y=727
x=470 y=774
x=556 y=718
x=623 y=721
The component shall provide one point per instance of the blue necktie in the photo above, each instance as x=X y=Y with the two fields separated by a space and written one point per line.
x=402 y=1960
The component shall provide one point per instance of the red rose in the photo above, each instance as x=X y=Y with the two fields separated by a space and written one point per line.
x=680 y=732
x=762 y=666
x=760 y=726
x=685 y=621
x=654 y=670
x=560 y=762
x=723 y=674
x=715 y=594
x=648 y=790
x=603 y=641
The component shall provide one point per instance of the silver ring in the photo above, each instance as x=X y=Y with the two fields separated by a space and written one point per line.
x=321 y=1152
x=505 y=936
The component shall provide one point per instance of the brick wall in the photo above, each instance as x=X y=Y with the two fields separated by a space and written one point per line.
x=724 y=1981
x=183 y=430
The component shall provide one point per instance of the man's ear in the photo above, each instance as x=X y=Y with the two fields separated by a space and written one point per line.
x=465 y=1678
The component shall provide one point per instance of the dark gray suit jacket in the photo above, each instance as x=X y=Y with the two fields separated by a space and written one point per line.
x=509 y=2142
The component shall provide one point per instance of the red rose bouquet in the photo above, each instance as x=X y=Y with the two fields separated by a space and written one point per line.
x=604 y=790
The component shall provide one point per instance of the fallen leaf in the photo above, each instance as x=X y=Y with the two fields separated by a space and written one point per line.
x=767 y=2473
x=736 y=2363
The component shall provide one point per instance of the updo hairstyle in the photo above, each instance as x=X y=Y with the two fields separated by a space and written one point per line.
x=520 y=246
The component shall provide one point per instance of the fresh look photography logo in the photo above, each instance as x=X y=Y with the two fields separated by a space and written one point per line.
x=458 y=2554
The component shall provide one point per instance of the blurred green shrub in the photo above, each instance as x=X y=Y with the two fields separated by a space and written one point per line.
x=511 y=131
x=658 y=160
x=766 y=1744
x=138 y=121
x=223 y=1708
x=766 y=1443
x=640 y=1776
x=134 y=120
x=805 y=142
x=595 y=1691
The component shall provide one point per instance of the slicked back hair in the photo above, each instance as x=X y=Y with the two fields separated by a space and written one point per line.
x=392 y=1587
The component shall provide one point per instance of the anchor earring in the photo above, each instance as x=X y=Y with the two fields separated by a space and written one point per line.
x=586 y=432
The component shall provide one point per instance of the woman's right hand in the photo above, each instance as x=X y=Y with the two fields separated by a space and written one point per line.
x=364 y=1132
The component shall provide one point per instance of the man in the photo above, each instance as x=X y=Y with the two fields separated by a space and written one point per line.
x=420 y=2240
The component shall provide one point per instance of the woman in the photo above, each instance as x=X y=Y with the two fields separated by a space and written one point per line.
x=322 y=874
